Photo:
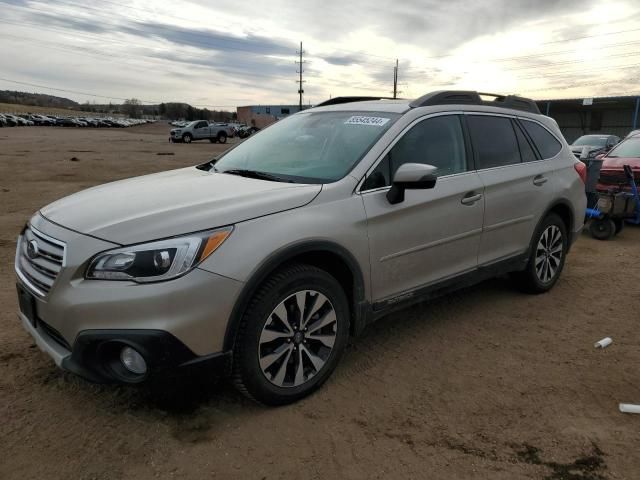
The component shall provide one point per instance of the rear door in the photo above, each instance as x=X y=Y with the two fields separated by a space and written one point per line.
x=433 y=234
x=517 y=183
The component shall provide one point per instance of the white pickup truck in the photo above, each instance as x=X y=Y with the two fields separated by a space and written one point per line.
x=201 y=130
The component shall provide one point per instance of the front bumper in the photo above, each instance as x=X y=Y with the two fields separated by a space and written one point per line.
x=95 y=353
x=175 y=323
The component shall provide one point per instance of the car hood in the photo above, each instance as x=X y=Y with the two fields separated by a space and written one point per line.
x=173 y=203
x=616 y=163
x=590 y=148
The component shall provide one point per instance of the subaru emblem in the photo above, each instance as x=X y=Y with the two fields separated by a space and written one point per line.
x=32 y=249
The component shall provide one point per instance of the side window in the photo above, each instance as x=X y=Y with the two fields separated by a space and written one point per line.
x=526 y=151
x=494 y=141
x=203 y=125
x=380 y=176
x=547 y=144
x=436 y=141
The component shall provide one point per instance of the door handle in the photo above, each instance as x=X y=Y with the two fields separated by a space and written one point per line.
x=540 y=180
x=471 y=198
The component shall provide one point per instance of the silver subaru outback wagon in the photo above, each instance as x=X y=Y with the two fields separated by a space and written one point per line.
x=262 y=263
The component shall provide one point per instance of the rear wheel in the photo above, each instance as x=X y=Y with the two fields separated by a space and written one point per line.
x=546 y=260
x=292 y=335
x=222 y=137
x=602 y=228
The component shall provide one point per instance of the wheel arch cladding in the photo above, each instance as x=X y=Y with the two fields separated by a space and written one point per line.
x=328 y=256
x=563 y=209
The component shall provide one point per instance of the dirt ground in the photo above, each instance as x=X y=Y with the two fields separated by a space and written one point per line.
x=485 y=383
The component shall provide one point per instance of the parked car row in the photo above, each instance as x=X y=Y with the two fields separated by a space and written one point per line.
x=186 y=132
x=11 y=120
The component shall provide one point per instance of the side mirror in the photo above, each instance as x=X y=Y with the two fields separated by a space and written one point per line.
x=600 y=156
x=412 y=176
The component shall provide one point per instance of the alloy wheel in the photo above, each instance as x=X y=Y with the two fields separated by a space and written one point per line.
x=297 y=338
x=549 y=253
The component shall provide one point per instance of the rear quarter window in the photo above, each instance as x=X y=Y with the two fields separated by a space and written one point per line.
x=547 y=144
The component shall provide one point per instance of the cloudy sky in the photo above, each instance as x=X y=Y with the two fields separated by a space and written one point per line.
x=227 y=53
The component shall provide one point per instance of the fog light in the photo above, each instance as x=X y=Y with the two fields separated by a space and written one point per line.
x=133 y=361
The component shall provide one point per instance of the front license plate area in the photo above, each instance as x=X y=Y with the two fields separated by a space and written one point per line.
x=27 y=304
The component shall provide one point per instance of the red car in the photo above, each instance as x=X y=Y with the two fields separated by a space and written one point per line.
x=612 y=176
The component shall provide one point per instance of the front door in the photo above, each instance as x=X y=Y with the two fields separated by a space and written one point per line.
x=433 y=234
x=201 y=130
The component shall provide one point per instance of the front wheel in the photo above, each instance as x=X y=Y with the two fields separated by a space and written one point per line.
x=186 y=138
x=292 y=335
x=546 y=260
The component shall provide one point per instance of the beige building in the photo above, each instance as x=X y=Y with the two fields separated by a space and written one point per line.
x=263 y=115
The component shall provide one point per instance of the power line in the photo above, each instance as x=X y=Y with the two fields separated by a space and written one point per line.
x=71 y=91
x=84 y=52
x=95 y=95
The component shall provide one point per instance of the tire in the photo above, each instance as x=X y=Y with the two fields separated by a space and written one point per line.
x=222 y=137
x=547 y=251
x=268 y=351
x=186 y=138
x=602 y=229
x=619 y=223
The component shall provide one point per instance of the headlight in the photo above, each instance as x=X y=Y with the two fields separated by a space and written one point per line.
x=157 y=261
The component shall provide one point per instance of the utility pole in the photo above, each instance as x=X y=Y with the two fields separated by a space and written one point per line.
x=395 y=80
x=300 y=81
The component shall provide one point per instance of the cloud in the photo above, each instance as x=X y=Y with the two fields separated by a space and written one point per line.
x=208 y=39
x=193 y=50
x=342 y=60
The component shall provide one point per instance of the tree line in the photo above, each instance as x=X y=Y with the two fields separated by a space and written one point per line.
x=132 y=107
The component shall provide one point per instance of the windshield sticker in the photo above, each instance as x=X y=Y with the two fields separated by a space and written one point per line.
x=360 y=120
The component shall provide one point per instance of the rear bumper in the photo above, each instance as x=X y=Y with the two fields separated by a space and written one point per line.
x=94 y=355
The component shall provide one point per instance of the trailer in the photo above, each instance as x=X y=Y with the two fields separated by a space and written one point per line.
x=612 y=209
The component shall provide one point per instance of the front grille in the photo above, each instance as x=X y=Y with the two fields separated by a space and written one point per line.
x=39 y=266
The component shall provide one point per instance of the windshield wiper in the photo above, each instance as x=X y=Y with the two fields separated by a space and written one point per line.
x=256 y=174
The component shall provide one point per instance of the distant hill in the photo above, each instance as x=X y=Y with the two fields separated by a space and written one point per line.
x=37 y=99
x=132 y=107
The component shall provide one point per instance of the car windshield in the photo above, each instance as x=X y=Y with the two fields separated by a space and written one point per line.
x=628 y=149
x=310 y=147
x=591 y=140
